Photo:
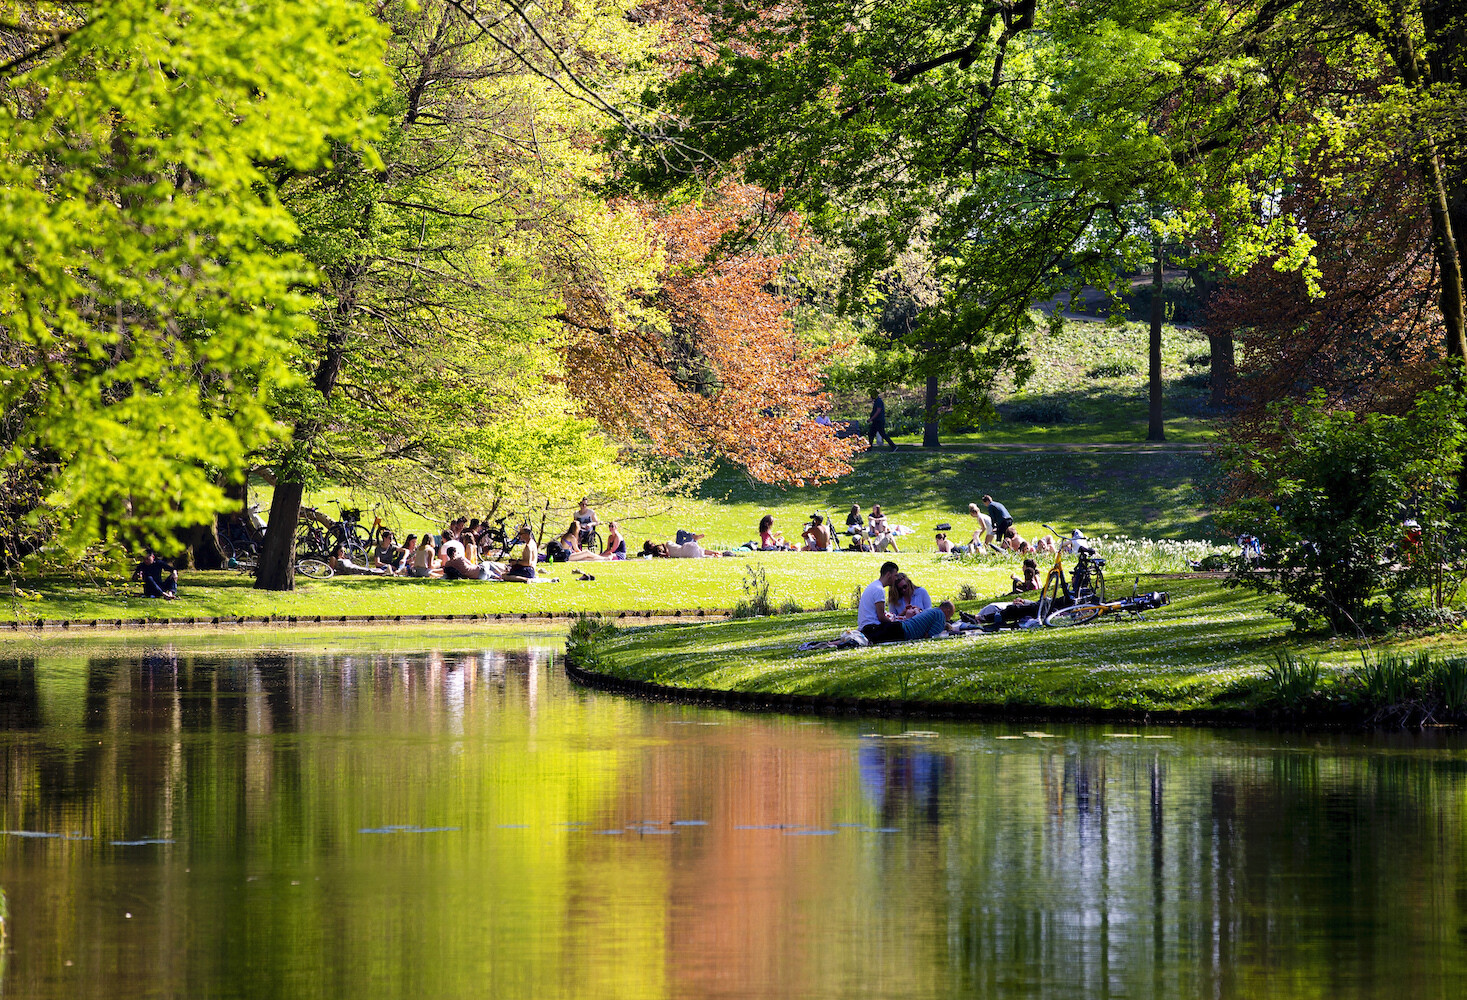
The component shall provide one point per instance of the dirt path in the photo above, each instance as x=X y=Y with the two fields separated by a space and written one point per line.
x=1110 y=447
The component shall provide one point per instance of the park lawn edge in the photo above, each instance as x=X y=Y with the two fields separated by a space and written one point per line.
x=1215 y=674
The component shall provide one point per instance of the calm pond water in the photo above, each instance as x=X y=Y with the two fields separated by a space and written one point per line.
x=439 y=816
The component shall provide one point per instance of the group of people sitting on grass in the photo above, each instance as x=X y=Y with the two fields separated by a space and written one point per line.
x=871 y=534
x=450 y=558
x=892 y=609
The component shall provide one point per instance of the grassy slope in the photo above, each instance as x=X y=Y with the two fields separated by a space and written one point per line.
x=1154 y=495
x=1137 y=494
x=1208 y=650
x=1096 y=409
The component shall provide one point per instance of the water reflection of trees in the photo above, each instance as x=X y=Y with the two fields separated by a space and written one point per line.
x=1073 y=867
x=1181 y=874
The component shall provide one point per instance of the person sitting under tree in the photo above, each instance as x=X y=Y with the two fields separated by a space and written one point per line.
x=159 y=579
x=587 y=521
x=522 y=566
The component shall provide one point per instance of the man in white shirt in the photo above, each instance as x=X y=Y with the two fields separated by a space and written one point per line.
x=872 y=617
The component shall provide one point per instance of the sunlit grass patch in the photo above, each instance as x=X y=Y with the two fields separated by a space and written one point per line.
x=1212 y=648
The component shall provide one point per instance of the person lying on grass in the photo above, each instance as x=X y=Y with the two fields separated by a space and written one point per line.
x=1015 y=542
x=342 y=565
x=689 y=549
x=929 y=624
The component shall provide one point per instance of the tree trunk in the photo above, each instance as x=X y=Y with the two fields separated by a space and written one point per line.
x=1223 y=360
x=1445 y=188
x=929 y=417
x=200 y=547
x=1155 y=431
x=277 y=557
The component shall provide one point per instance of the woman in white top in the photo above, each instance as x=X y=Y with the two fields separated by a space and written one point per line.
x=905 y=599
x=422 y=562
x=983 y=533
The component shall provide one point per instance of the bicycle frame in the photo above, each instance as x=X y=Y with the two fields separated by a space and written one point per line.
x=1081 y=614
x=1085 y=584
x=1055 y=586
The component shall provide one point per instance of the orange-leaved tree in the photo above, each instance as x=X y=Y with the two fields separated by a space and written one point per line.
x=711 y=367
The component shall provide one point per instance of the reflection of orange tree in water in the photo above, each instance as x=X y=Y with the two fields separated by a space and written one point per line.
x=1032 y=853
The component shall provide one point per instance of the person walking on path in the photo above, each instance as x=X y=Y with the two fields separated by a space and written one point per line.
x=872 y=617
x=878 y=422
x=999 y=515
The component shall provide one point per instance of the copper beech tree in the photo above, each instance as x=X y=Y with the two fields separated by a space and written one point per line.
x=1374 y=342
x=712 y=367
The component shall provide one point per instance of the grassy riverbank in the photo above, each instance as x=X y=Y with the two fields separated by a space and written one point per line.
x=1211 y=650
x=806 y=579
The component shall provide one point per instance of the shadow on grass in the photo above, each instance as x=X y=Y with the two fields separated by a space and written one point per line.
x=1151 y=495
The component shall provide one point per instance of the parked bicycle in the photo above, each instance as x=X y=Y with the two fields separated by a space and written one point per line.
x=241 y=535
x=495 y=537
x=1082 y=614
x=318 y=535
x=1085 y=584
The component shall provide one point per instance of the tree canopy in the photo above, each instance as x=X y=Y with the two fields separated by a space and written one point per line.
x=146 y=308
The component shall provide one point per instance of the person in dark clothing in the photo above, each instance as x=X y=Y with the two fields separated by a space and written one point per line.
x=999 y=515
x=878 y=422
x=159 y=578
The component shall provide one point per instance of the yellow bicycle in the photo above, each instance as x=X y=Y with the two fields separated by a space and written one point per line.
x=1085 y=585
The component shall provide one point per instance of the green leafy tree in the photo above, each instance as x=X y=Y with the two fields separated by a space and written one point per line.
x=147 y=308
x=1327 y=500
x=1006 y=140
x=434 y=374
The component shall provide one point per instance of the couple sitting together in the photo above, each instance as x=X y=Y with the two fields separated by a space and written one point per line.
x=893 y=609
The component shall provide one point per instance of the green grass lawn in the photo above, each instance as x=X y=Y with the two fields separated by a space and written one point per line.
x=1089 y=386
x=1208 y=650
x=635 y=585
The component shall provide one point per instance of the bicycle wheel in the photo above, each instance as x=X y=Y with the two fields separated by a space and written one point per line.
x=307 y=543
x=1080 y=614
x=1098 y=583
x=314 y=569
x=1054 y=586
